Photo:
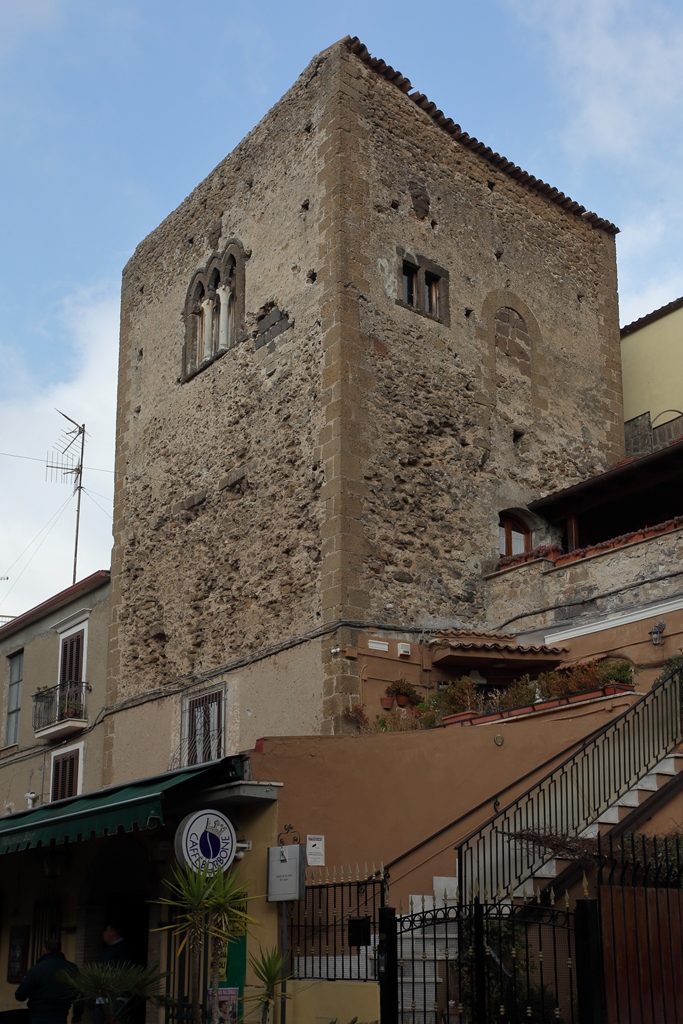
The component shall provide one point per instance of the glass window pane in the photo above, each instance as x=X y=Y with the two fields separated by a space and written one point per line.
x=518 y=541
x=501 y=539
x=12 y=728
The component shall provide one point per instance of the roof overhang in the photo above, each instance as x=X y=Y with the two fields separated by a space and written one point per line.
x=139 y=805
x=635 y=477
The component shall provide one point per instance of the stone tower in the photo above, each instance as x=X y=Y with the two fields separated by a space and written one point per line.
x=359 y=340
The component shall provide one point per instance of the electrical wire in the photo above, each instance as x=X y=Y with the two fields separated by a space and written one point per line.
x=89 y=495
x=32 y=458
x=30 y=543
x=56 y=520
x=105 y=497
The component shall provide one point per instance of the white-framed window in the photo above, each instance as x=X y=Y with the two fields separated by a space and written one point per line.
x=73 y=652
x=66 y=772
x=16 y=676
x=204 y=726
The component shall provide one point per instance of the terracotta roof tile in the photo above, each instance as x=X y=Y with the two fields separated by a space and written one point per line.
x=500 y=162
x=650 y=318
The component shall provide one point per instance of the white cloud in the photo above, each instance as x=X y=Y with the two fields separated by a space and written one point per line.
x=30 y=426
x=616 y=67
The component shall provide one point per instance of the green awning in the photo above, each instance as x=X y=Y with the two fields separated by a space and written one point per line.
x=102 y=813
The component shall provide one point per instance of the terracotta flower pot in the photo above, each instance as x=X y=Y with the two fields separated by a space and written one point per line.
x=402 y=700
x=387 y=703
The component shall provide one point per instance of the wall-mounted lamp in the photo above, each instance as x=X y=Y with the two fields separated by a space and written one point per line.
x=655 y=633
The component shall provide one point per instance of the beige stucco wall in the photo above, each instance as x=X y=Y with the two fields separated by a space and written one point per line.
x=25 y=767
x=652 y=368
x=320 y=1002
x=374 y=796
x=259 y=699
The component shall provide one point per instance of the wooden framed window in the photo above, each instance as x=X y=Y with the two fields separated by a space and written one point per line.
x=16 y=674
x=205 y=728
x=409 y=284
x=514 y=536
x=65 y=774
x=431 y=294
x=423 y=286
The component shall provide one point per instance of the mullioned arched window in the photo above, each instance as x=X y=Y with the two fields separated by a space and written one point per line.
x=214 y=310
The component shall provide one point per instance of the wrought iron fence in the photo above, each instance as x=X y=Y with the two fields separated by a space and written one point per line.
x=493 y=861
x=334 y=930
x=59 y=703
x=477 y=962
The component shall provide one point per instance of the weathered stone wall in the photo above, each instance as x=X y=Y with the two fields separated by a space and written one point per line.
x=538 y=594
x=217 y=512
x=348 y=459
x=456 y=421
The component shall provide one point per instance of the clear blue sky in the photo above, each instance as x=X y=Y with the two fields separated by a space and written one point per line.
x=110 y=113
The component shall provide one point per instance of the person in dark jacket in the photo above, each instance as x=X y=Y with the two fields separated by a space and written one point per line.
x=115 y=948
x=49 y=999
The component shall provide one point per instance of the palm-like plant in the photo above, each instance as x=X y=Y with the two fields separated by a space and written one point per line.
x=228 y=920
x=116 y=987
x=268 y=967
x=206 y=903
x=190 y=895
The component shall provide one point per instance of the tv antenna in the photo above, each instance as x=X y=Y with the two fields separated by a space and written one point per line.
x=66 y=463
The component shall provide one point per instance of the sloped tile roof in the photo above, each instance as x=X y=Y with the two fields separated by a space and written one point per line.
x=501 y=163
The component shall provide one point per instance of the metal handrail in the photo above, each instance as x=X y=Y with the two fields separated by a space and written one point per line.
x=59 y=703
x=495 y=859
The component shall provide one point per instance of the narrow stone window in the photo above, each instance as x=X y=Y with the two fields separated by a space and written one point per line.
x=423 y=286
x=409 y=284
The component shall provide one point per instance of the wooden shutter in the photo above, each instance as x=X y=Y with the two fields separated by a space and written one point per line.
x=65 y=775
x=72 y=658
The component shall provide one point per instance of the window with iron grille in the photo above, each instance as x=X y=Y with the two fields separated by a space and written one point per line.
x=65 y=774
x=16 y=673
x=205 y=728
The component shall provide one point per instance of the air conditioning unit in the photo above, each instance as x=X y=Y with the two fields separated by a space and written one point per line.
x=403 y=650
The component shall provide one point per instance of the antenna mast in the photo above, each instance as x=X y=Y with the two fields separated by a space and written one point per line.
x=62 y=462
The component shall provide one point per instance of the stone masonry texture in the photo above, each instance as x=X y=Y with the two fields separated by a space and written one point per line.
x=348 y=460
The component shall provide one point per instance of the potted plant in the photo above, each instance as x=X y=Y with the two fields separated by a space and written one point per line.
x=70 y=709
x=404 y=692
x=386 y=702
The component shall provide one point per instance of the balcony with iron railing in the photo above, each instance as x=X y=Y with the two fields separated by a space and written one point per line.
x=60 y=711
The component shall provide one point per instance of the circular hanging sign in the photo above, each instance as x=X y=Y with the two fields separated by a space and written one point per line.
x=206 y=839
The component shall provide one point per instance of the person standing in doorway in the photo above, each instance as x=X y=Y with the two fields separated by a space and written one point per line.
x=49 y=999
x=115 y=949
x=114 y=954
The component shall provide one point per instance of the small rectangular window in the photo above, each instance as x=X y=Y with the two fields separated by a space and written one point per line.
x=16 y=673
x=64 y=775
x=205 y=728
x=432 y=294
x=409 y=284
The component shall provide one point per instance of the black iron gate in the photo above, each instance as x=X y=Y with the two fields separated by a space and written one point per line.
x=477 y=963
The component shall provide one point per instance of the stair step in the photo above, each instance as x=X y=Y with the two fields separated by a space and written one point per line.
x=547 y=870
x=667 y=766
x=629 y=799
x=649 y=783
x=609 y=817
x=591 y=831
